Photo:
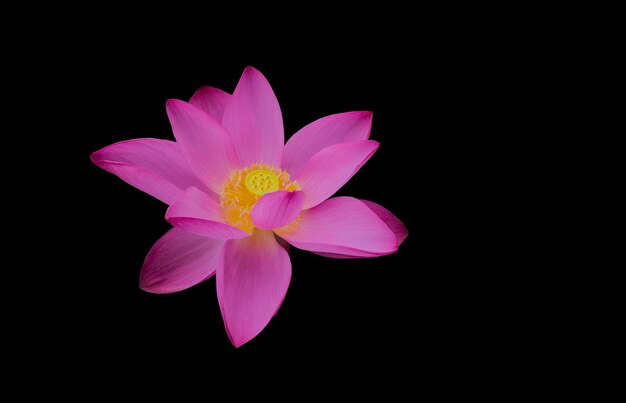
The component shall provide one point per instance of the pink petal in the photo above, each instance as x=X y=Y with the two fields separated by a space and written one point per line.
x=254 y=120
x=340 y=128
x=199 y=214
x=211 y=100
x=328 y=170
x=204 y=143
x=180 y=260
x=394 y=224
x=277 y=209
x=151 y=165
x=344 y=226
x=252 y=284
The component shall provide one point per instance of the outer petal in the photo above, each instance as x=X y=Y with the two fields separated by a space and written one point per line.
x=204 y=143
x=344 y=226
x=211 y=100
x=331 y=168
x=394 y=224
x=180 y=260
x=277 y=209
x=254 y=120
x=199 y=214
x=340 y=128
x=154 y=166
x=252 y=284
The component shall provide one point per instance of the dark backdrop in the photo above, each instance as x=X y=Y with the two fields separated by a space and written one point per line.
x=424 y=304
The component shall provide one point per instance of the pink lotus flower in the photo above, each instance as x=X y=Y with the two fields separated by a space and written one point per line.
x=235 y=191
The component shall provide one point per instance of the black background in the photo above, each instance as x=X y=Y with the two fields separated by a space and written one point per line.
x=466 y=108
x=431 y=302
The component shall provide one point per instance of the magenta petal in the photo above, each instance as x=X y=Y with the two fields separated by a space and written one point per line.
x=154 y=166
x=340 y=128
x=328 y=170
x=199 y=214
x=204 y=143
x=277 y=209
x=394 y=224
x=343 y=226
x=254 y=120
x=252 y=284
x=211 y=100
x=180 y=260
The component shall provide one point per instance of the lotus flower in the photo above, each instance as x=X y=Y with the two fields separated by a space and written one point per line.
x=236 y=193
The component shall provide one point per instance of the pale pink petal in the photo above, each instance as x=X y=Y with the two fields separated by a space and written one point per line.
x=199 y=214
x=154 y=166
x=328 y=170
x=204 y=143
x=211 y=100
x=252 y=284
x=254 y=120
x=340 y=128
x=277 y=209
x=342 y=225
x=394 y=224
x=180 y=260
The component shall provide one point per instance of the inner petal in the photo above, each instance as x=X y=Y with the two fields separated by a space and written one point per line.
x=246 y=186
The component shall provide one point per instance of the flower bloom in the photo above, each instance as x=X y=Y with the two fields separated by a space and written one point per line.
x=236 y=192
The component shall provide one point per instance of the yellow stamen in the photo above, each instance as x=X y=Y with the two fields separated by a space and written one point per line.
x=246 y=186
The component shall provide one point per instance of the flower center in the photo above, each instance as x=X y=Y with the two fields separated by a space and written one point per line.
x=245 y=187
x=261 y=181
